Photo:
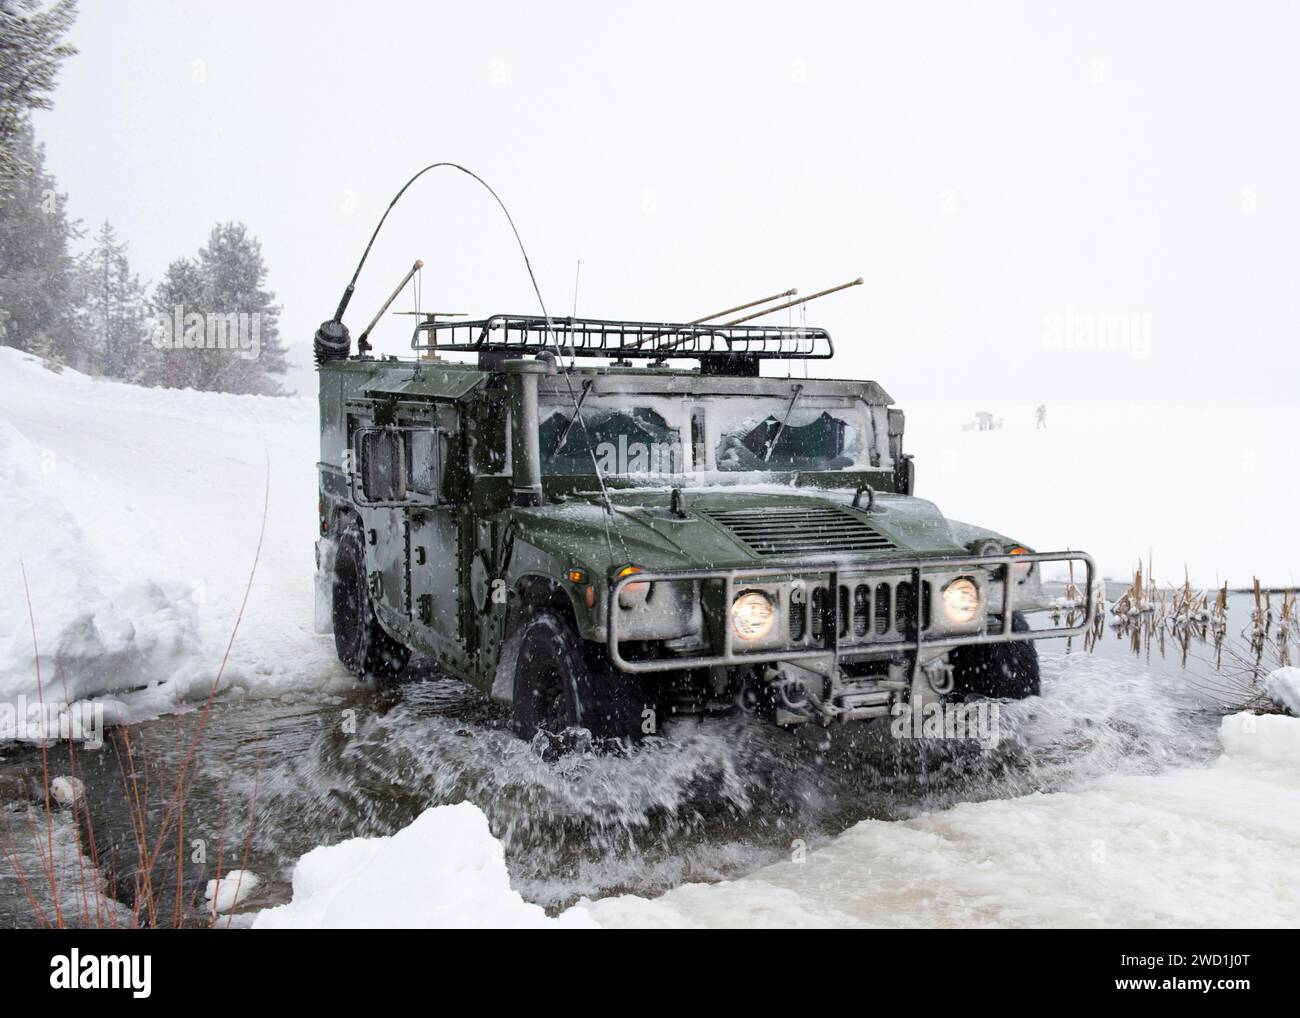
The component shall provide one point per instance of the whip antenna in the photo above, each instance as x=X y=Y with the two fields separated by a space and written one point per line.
x=332 y=340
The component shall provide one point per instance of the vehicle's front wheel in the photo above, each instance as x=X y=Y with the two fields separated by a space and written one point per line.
x=1007 y=671
x=562 y=683
x=362 y=645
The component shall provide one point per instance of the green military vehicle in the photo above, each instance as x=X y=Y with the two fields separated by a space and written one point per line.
x=607 y=523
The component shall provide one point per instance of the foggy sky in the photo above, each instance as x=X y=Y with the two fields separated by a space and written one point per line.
x=1005 y=176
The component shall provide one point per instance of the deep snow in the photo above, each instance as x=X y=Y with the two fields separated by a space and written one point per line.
x=445 y=869
x=135 y=514
x=1283 y=685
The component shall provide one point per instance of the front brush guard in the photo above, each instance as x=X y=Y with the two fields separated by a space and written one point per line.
x=728 y=655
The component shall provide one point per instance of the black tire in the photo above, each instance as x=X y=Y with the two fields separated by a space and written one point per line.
x=363 y=646
x=561 y=682
x=1005 y=671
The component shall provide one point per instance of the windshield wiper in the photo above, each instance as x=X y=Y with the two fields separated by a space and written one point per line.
x=767 y=453
x=568 y=426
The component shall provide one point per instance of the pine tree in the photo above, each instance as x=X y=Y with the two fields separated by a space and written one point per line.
x=215 y=323
x=234 y=276
x=31 y=50
x=165 y=362
x=38 y=279
x=114 y=316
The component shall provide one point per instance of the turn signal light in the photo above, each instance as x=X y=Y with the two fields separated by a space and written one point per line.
x=633 y=594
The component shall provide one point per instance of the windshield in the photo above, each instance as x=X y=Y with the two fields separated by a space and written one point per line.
x=799 y=440
x=626 y=440
x=651 y=436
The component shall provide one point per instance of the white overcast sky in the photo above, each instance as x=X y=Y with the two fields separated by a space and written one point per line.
x=985 y=166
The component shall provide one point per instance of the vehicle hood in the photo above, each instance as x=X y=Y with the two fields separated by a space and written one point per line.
x=643 y=530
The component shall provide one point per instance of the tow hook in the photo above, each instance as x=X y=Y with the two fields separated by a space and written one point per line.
x=939 y=676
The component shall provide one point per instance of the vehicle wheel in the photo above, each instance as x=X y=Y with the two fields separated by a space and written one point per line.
x=1007 y=671
x=363 y=646
x=561 y=682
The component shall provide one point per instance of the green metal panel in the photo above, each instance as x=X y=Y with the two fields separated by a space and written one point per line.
x=451 y=381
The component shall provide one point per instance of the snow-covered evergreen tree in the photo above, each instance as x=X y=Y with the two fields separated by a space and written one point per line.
x=38 y=280
x=234 y=277
x=215 y=323
x=31 y=50
x=181 y=287
x=114 y=314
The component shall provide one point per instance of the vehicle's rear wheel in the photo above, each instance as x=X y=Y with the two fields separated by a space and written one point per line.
x=1007 y=671
x=563 y=683
x=363 y=646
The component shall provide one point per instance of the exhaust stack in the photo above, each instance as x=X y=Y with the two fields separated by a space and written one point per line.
x=525 y=439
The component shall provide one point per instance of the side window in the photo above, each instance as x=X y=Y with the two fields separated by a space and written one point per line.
x=424 y=459
x=699 y=445
x=383 y=465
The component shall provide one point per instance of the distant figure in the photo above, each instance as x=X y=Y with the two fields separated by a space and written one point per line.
x=1040 y=416
x=985 y=420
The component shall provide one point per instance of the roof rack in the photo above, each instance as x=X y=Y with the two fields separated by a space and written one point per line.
x=721 y=349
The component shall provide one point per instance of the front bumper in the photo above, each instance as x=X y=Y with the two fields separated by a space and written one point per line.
x=849 y=624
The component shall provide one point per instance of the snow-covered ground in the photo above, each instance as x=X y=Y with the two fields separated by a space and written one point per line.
x=135 y=515
x=445 y=869
x=1211 y=846
x=1209 y=488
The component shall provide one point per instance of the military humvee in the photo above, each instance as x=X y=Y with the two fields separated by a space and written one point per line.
x=607 y=523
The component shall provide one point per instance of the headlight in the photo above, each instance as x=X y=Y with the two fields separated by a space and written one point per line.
x=1021 y=571
x=961 y=600
x=752 y=616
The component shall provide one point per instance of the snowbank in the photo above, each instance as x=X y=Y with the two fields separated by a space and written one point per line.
x=95 y=632
x=1195 y=847
x=1283 y=685
x=1264 y=738
x=445 y=869
x=135 y=515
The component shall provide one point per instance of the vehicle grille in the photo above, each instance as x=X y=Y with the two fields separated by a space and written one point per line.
x=862 y=613
x=800 y=530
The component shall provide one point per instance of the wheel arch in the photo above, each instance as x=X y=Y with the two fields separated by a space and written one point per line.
x=531 y=593
x=534 y=591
